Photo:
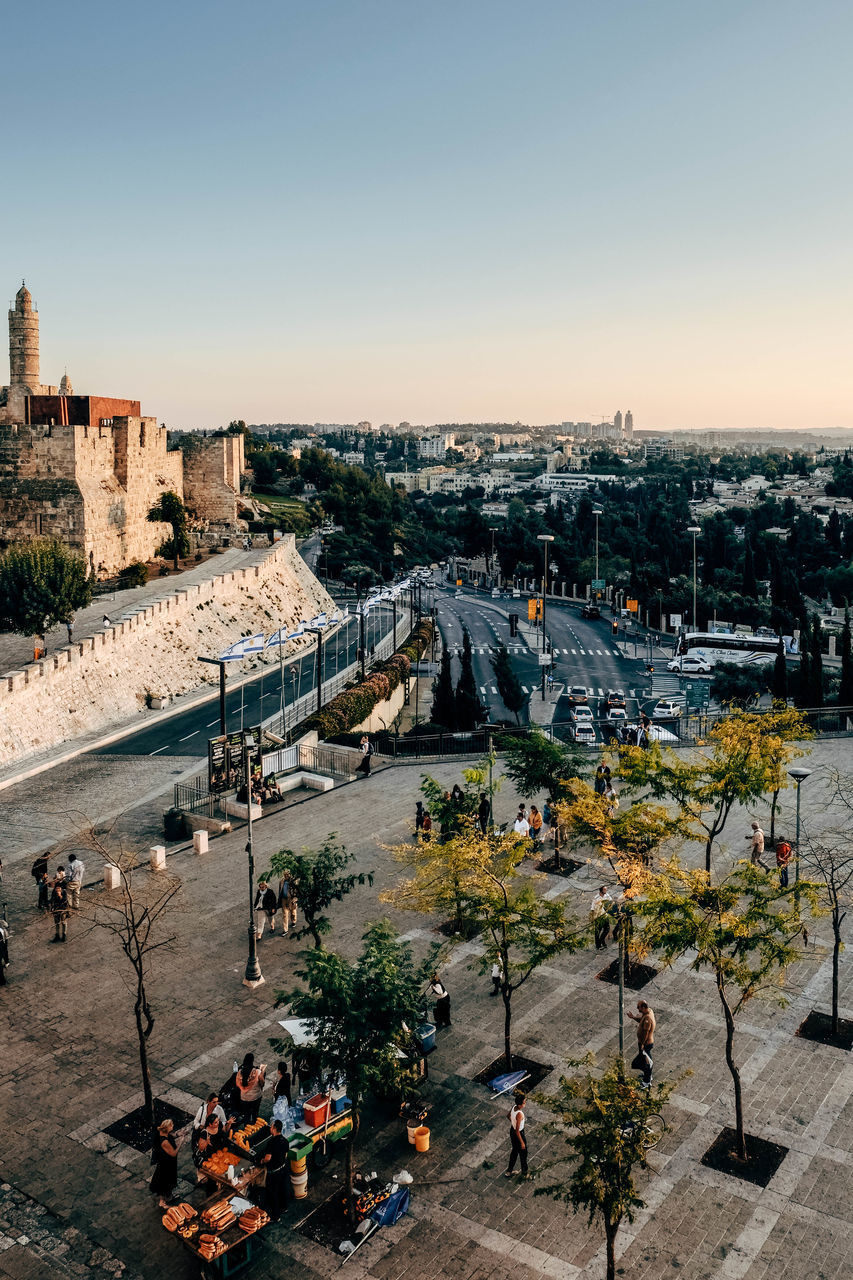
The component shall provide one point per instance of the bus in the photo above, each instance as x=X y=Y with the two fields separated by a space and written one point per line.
x=735 y=647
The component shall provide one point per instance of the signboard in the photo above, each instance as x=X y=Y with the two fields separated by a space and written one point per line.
x=598 y=584
x=698 y=693
x=225 y=760
x=459 y=582
x=534 y=609
x=675 y=619
x=632 y=606
x=544 y=659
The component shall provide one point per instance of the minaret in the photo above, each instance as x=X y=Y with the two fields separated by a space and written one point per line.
x=24 y=342
x=65 y=387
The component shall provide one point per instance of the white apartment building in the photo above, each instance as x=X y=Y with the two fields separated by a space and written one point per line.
x=436 y=446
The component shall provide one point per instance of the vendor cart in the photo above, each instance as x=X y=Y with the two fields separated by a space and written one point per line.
x=236 y=1244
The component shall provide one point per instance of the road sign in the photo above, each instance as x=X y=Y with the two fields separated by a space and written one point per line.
x=632 y=606
x=544 y=659
x=598 y=584
x=698 y=693
x=675 y=619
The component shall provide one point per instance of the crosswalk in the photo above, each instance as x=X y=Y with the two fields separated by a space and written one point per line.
x=591 y=692
x=456 y=652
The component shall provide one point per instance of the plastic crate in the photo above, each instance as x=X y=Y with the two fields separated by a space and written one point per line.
x=341 y=1104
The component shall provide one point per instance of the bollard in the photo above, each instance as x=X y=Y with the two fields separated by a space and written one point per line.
x=112 y=877
x=157 y=854
x=199 y=842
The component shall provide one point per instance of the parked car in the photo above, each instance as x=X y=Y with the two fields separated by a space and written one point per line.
x=516 y=594
x=690 y=665
x=590 y=611
x=457 y=595
x=615 y=698
x=666 y=709
x=584 y=732
x=577 y=695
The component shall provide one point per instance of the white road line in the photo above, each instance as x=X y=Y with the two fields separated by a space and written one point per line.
x=190 y=735
x=159 y=749
x=598 y=651
x=494 y=690
x=525 y=688
x=482 y=688
x=574 y=651
x=211 y=723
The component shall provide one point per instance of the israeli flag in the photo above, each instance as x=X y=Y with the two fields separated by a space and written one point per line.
x=297 y=631
x=234 y=653
x=277 y=640
x=255 y=644
x=319 y=621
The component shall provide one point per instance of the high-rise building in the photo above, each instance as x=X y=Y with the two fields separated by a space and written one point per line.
x=617 y=422
x=629 y=425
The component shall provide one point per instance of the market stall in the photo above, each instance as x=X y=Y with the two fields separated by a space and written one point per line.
x=223 y=1233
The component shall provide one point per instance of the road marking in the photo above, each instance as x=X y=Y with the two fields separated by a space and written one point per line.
x=525 y=688
x=190 y=735
x=574 y=651
x=482 y=688
x=157 y=752
x=494 y=690
x=598 y=651
x=211 y=723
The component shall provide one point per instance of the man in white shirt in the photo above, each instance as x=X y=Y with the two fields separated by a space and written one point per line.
x=74 y=881
x=756 y=848
x=521 y=826
x=599 y=912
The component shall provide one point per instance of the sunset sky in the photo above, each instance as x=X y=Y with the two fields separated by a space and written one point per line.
x=467 y=210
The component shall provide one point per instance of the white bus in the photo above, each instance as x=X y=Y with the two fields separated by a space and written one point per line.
x=737 y=647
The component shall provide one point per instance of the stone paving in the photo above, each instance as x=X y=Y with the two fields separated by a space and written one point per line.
x=73 y=1198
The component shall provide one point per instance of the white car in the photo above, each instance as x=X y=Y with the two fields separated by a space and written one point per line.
x=666 y=709
x=616 y=715
x=457 y=595
x=584 y=732
x=690 y=666
x=582 y=712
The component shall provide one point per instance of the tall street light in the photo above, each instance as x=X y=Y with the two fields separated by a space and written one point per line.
x=799 y=775
x=695 y=530
x=544 y=538
x=597 y=511
x=253 y=976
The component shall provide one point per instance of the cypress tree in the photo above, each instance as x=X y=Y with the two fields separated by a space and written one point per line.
x=443 y=698
x=845 y=692
x=469 y=709
x=780 y=674
x=816 y=665
x=749 y=586
x=508 y=683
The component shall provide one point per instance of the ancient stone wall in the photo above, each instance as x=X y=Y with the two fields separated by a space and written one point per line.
x=212 y=469
x=103 y=680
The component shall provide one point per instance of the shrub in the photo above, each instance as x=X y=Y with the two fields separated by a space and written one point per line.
x=356 y=702
x=134 y=574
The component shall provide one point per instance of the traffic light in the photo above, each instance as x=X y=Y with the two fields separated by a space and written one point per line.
x=513 y=624
x=615 y=626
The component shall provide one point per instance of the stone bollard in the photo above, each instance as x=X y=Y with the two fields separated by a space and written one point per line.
x=112 y=876
x=157 y=854
x=199 y=842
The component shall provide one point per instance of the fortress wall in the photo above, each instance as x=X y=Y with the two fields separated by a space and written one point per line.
x=102 y=680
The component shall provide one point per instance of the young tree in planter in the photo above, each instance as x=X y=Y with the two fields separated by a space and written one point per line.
x=745 y=930
x=320 y=879
x=469 y=709
x=443 y=698
x=42 y=583
x=171 y=510
x=357 y=1013
x=830 y=863
x=604 y=1121
x=508 y=683
x=537 y=764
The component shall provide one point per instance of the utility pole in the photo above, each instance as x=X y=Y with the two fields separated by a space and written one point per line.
x=253 y=976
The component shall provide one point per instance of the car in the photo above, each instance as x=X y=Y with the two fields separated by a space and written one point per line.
x=457 y=595
x=496 y=595
x=584 y=732
x=577 y=695
x=690 y=665
x=616 y=715
x=666 y=709
x=516 y=594
x=590 y=611
x=615 y=698
x=582 y=712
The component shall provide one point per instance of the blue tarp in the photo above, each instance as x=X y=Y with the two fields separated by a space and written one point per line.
x=392 y=1209
x=501 y=1084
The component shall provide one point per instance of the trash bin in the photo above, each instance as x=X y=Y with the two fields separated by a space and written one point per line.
x=422 y=1139
x=173 y=824
x=426 y=1035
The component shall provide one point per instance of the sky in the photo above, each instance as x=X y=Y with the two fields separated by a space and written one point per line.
x=468 y=210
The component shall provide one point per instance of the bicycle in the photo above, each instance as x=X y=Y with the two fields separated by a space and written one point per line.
x=654 y=1127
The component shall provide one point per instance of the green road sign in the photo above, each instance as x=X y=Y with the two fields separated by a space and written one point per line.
x=598 y=584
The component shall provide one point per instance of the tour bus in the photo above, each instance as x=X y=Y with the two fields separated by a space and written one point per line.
x=733 y=647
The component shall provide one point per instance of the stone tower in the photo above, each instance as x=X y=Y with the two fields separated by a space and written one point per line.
x=24 y=342
x=65 y=387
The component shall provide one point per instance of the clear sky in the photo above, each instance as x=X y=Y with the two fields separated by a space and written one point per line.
x=462 y=210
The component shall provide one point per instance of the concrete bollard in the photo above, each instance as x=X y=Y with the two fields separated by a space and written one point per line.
x=112 y=876
x=157 y=854
x=199 y=842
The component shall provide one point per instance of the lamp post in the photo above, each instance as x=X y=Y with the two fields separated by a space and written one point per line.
x=799 y=776
x=597 y=511
x=695 y=530
x=253 y=976
x=293 y=677
x=545 y=539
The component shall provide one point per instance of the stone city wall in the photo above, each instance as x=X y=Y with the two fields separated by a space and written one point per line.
x=104 y=680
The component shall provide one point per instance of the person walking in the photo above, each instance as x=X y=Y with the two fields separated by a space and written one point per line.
x=521 y=826
x=250 y=1082
x=484 y=813
x=59 y=906
x=366 y=753
x=38 y=871
x=441 y=996
x=287 y=901
x=497 y=979
x=783 y=857
x=427 y=827
x=419 y=816
x=517 y=1136
x=599 y=783
x=164 y=1157
x=266 y=904
x=646 y=1023
x=548 y=819
x=74 y=880
x=756 y=848
x=599 y=914
x=535 y=824
x=278 y=1180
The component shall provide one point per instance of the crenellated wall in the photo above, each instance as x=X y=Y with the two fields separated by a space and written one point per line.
x=104 y=679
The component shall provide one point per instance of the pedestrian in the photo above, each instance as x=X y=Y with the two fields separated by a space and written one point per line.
x=611 y=801
x=457 y=795
x=4 y=950
x=164 y=1157
x=602 y=905
x=283 y=1085
x=427 y=827
x=419 y=816
x=497 y=979
x=38 y=871
x=250 y=1082
x=756 y=847
x=548 y=819
x=535 y=825
x=441 y=1010
x=366 y=753
x=278 y=1179
x=266 y=903
x=646 y=1023
x=75 y=881
x=517 y=1136
x=107 y=622
x=287 y=901
x=484 y=813
x=206 y=1111
x=69 y=626
x=521 y=826
x=783 y=857
x=59 y=905
x=598 y=781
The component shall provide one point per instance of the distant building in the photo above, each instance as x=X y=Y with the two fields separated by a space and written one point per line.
x=617 y=422
x=436 y=446
x=655 y=450
x=629 y=425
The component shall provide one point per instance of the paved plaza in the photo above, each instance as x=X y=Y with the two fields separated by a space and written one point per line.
x=74 y=1202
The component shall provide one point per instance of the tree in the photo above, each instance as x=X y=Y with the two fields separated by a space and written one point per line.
x=749 y=586
x=171 y=510
x=357 y=1014
x=845 y=692
x=42 y=583
x=508 y=683
x=734 y=684
x=469 y=709
x=780 y=673
x=265 y=469
x=535 y=764
x=320 y=880
x=816 y=665
x=135 y=914
x=602 y=1118
x=744 y=929
x=830 y=862
x=443 y=698
x=480 y=875
x=740 y=761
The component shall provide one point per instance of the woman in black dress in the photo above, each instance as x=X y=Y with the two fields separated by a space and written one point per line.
x=165 y=1159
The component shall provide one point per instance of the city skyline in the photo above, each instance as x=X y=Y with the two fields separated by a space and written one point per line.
x=473 y=214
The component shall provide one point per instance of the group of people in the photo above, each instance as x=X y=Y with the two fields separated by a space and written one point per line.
x=236 y=1104
x=784 y=853
x=269 y=902
x=265 y=790
x=535 y=825
x=61 y=895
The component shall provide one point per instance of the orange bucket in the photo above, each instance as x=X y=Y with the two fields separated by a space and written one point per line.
x=422 y=1138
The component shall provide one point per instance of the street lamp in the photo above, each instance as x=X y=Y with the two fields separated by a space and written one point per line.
x=695 y=530
x=799 y=775
x=253 y=976
x=544 y=538
x=597 y=511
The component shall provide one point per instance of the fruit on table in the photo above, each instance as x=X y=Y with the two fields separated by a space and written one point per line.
x=220 y=1162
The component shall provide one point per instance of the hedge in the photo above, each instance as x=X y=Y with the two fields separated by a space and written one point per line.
x=356 y=703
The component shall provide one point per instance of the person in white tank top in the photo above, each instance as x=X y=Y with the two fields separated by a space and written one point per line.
x=517 y=1137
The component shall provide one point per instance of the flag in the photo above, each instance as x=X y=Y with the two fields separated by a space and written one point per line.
x=297 y=631
x=278 y=639
x=255 y=644
x=234 y=653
